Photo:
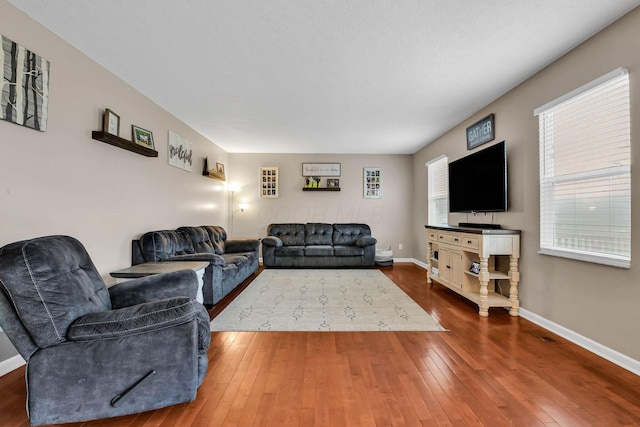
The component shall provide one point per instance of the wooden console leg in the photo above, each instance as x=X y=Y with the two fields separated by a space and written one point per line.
x=514 y=278
x=484 y=290
x=428 y=262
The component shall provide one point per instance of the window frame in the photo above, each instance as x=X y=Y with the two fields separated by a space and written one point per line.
x=432 y=211
x=549 y=180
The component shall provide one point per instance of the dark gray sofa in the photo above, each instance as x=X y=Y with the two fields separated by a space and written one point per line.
x=230 y=261
x=318 y=245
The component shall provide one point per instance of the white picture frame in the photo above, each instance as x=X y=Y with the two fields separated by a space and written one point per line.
x=269 y=181
x=372 y=183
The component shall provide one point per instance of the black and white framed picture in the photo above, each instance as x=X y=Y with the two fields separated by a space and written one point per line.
x=372 y=183
x=24 y=93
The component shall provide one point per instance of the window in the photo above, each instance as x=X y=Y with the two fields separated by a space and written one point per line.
x=438 y=172
x=585 y=179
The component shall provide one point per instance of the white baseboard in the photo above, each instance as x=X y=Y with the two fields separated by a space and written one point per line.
x=607 y=353
x=10 y=364
x=611 y=355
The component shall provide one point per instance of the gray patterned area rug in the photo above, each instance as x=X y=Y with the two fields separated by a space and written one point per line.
x=323 y=300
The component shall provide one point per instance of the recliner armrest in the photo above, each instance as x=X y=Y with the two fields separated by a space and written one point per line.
x=272 y=241
x=183 y=283
x=366 y=241
x=140 y=318
x=241 y=245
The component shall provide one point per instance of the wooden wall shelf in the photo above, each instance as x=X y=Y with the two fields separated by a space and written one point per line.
x=320 y=189
x=125 y=144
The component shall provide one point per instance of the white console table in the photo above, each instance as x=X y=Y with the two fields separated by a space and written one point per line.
x=451 y=252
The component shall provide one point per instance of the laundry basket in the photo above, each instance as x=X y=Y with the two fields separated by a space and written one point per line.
x=384 y=257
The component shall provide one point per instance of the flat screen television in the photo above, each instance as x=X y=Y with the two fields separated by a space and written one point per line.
x=478 y=182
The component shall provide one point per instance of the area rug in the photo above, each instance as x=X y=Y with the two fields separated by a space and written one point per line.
x=323 y=300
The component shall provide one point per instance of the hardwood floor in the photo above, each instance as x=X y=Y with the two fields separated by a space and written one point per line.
x=495 y=371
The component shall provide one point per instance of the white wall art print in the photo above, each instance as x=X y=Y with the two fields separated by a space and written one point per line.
x=24 y=95
x=180 y=152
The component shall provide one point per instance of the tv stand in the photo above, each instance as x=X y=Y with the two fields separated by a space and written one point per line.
x=479 y=264
x=476 y=225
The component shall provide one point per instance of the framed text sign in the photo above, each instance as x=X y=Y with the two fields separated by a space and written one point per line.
x=321 y=169
x=481 y=132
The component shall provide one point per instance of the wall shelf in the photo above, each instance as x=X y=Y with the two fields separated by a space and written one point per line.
x=125 y=144
x=320 y=189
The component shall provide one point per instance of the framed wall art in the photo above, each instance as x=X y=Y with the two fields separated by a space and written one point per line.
x=24 y=93
x=481 y=132
x=111 y=124
x=141 y=136
x=321 y=169
x=372 y=182
x=180 y=152
x=269 y=181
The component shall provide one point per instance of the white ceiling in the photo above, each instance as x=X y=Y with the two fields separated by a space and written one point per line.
x=324 y=76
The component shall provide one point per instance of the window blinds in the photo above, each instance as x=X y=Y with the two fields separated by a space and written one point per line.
x=438 y=173
x=585 y=179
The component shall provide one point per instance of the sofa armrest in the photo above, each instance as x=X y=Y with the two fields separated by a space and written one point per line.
x=241 y=245
x=138 y=319
x=213 y=259
x=366 y=241
x=272 y=241
x=183 y=283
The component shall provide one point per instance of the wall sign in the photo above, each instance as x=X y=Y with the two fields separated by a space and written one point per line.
x=321 y=169
x=180 y=152
x=481 y=132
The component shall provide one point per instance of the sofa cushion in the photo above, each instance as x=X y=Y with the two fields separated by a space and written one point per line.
x=318 y=234
x=290 y=234
x=200 y=239
x=348 y=234
x=348 y=251
x=218 y=237
x=318 y=250
x=289 y=251
x=159 y=245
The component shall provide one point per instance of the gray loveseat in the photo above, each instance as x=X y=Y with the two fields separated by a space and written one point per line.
x=230 y=261
x=318 y=245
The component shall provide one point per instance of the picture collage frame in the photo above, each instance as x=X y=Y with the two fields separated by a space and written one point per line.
x=269 y=181
x=372 y=183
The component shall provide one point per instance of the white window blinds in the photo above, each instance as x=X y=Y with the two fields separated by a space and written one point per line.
x=585 y=179
x=438 y=174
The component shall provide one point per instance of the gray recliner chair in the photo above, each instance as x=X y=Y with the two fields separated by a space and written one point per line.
x=94 y=352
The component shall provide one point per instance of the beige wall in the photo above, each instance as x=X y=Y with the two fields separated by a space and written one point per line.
x=63 y=182
x=388 y=217
x=598 y=302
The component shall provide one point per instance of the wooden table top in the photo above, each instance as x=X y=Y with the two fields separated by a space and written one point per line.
x=150 y=268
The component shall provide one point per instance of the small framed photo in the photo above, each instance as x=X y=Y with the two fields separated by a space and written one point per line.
x=111 y=122
x=142 y=137
x=475 y=267
x=220 y=171
x=333 y=183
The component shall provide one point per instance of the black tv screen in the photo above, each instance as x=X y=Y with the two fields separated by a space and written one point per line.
x=478 y=182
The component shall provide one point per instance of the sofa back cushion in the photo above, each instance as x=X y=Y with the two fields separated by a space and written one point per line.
x=200 y=239
x=318 y=234
x=51 y=281
x=159 y=245
x=290 y=234
x=347 y=234
x=218 y=237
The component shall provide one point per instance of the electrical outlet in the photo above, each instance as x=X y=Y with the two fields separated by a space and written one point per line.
x=400 y=246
